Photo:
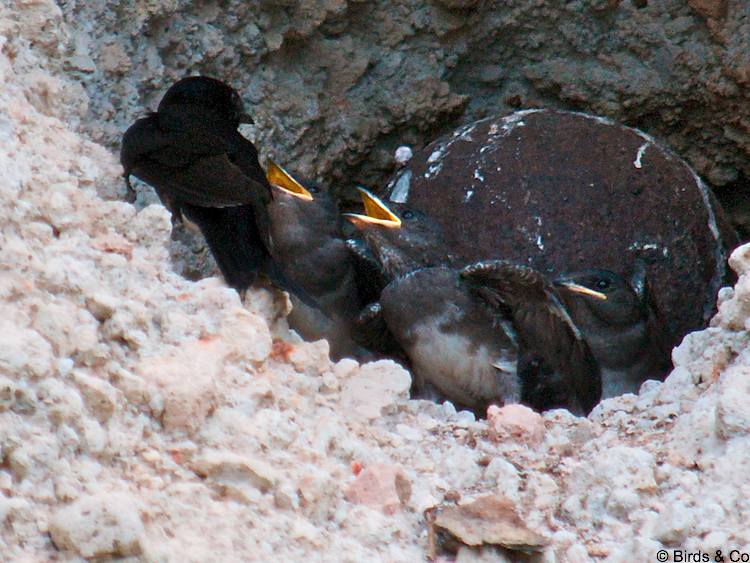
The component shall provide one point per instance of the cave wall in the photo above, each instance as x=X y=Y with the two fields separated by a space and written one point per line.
x=336 y=85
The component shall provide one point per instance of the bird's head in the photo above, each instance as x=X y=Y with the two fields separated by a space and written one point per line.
x=209 y=93
x=402 y=239
x=604 y=294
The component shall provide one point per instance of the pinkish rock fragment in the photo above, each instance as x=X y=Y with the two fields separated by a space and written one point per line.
x=187 y=380
x=515 y=423
x=489 y=520
x=380 y=485
x=377 y=387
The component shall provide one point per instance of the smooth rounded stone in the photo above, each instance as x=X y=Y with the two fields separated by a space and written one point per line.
x=99 y=526
x=563 y=191
x=403 y=154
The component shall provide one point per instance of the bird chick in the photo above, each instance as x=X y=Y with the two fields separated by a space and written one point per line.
x=464 y=330
x=307 y=241
x=621 y=324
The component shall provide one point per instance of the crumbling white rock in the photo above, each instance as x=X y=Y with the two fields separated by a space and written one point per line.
x=732 y=412
x=99 y=526
x=377 y=386
x=231 y=474
x=100 y=397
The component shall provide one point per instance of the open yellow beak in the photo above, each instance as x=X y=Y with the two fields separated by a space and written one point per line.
x=376 y=212
x=280 y=178
x=577 y=288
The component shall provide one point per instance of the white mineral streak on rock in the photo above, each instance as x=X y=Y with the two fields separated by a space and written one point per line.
x=400 y=191
x=639 y=155
x=437 y=156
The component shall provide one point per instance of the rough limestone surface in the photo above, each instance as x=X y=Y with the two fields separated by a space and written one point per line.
x=146 y=416
x=337 y=85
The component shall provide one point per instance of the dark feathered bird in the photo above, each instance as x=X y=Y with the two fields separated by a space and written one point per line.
x=464 y=330
x=306 y=240
x=621 y=324
x=555 y=363
x=203 y=169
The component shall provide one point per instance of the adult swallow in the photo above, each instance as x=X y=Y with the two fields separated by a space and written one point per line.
x=204 y=170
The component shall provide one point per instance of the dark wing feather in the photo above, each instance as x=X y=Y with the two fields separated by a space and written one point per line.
x=213 y=179
x=369 y=274
x=371 y=331
x=544 y=328
x=145 y=140
x=661 y=350
x=193 y=167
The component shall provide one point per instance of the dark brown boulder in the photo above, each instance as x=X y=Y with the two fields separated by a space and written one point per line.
x=563 y=191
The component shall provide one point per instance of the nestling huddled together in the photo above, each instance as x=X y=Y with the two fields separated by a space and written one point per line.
x=383 y=282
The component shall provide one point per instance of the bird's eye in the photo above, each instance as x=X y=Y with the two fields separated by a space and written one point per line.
x=602 y=284
x=408 y=215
